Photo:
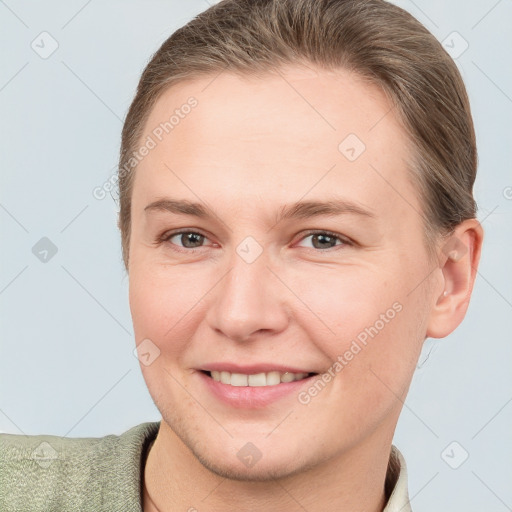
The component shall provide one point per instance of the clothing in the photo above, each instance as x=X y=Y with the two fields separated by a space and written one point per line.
x=51 y=473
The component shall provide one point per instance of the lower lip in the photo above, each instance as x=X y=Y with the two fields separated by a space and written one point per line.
x=252 y=397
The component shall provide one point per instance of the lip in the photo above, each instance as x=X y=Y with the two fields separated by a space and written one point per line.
x=248 y=397
x=252 y=369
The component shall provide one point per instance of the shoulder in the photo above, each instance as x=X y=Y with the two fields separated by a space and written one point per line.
x=46 y=472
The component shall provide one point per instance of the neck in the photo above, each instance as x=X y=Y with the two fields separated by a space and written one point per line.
x=355 y=480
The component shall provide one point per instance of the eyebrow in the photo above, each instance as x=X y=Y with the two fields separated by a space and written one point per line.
x=298 y=210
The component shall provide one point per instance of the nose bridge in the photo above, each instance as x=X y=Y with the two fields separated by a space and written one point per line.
x=248 y=298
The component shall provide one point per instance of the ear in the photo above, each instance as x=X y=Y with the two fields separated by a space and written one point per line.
x=459 y=256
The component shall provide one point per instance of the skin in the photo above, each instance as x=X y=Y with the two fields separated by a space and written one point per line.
x=251 y=146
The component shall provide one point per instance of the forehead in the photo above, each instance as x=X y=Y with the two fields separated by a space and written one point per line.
x=283 y=133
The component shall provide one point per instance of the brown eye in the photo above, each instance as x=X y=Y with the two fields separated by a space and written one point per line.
x=191 y=240
x=186 y=239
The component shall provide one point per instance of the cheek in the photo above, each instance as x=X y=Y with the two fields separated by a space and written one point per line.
x=161 y=313
x=345 y=304
x=159 y=306
x=168 y=304
x=370 y=325
x=373 y=363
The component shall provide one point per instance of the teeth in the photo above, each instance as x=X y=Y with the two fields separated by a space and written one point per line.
x=238 y=379
x=273 y=378
x=257 y=379
x=288 y=377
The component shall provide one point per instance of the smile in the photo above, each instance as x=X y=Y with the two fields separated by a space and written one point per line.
x=253 y=390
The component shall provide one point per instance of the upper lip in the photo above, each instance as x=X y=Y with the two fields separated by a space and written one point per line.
x=252 y=369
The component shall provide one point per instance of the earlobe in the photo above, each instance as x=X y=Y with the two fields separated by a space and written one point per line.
x=459 y=256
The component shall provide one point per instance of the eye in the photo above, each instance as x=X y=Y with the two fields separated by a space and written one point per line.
x=326 y=239
x=189 y=240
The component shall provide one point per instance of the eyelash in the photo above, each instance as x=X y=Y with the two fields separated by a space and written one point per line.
x=165 y=237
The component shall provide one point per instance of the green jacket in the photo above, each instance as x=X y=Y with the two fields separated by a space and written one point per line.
x=58 y=474
x=51 y=473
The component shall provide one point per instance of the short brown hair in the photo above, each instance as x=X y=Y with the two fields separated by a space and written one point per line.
x=373 y=38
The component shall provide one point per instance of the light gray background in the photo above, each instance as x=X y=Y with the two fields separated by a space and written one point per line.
x=66 y=362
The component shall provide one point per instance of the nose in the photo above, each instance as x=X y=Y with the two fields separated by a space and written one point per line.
x=249 y=301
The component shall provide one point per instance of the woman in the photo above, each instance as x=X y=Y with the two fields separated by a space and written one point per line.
x=297 y=217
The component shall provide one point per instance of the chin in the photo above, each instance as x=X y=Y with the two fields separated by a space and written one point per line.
x=262 y=471
x=236 y=459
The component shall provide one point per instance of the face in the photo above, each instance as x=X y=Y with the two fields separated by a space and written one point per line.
x=304 y=252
